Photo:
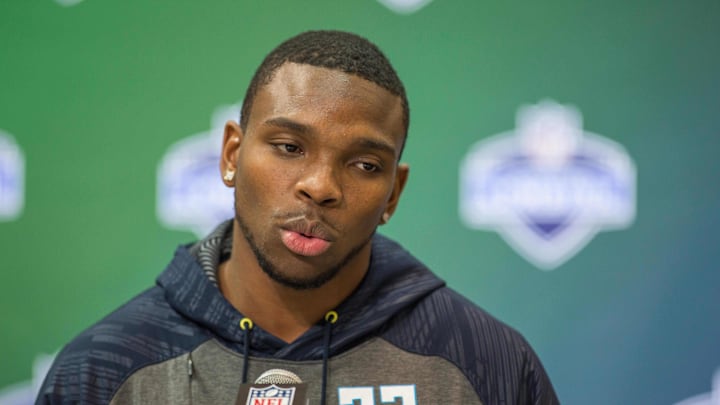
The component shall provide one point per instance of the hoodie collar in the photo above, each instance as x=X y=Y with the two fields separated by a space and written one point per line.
x=393 y=283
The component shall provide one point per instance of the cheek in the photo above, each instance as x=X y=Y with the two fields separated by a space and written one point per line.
x=369 y=204
x=258 y=182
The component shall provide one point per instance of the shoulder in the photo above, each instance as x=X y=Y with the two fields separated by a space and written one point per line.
x=144 y=331
x=445 y=316
x=493 y=356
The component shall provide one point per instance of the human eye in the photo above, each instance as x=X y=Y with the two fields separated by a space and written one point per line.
x=286 y=148
x=368 y=167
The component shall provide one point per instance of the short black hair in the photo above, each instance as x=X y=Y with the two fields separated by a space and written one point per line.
x=336 y=50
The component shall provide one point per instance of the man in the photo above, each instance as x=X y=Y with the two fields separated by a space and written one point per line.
x=299 y=280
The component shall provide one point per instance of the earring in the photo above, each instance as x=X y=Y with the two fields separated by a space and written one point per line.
x=385 y=218
x=229 y=176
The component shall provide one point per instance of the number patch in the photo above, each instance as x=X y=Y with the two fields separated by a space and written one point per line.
x=389 y=394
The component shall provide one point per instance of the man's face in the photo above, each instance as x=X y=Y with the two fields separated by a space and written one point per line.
x=316 y=169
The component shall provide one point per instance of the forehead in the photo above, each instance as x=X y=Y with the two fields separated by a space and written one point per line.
x=329 y=100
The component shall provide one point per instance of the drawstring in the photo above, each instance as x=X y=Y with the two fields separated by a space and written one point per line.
x=330 y=318
x=246 y=325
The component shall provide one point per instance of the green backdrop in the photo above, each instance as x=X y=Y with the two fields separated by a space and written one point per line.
x=95 y=93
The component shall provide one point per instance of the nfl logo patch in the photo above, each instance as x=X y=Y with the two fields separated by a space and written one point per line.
x=271 y=395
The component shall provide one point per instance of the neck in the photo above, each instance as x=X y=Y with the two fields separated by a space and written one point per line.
x=283 y=311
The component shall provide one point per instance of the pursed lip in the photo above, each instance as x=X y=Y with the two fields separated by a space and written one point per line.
x=305 y=237
x=309 y=229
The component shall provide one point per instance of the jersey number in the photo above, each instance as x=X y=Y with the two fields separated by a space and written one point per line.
x=389 y=394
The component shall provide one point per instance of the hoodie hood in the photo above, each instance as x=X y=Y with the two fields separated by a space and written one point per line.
x=393 y=283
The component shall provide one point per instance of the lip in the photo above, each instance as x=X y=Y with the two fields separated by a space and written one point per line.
x=306 y=238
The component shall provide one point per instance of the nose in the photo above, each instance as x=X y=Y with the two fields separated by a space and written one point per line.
x=318 y=183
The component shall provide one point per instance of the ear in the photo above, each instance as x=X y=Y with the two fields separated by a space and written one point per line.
x=401 y=176
x=232 y=139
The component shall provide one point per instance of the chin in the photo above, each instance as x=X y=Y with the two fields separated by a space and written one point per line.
x=298 y=282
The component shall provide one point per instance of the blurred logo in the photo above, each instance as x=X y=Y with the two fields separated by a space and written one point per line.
x=12 y=178
x=548 y=186
x=710 y=398
x=190 y=192
x=404 y=6
x=24 y=393
x=68 y=3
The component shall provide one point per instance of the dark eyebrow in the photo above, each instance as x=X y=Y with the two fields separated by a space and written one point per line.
x=377 y=145
x=287 y=123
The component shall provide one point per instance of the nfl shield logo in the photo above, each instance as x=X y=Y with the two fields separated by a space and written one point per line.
x=548 y=186
x=271 y=395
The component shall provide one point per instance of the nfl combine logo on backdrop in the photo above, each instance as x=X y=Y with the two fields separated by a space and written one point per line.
x=548 y=186
x=190 y=193
x=404 y=6
x=12 y=178
x=708 y=398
